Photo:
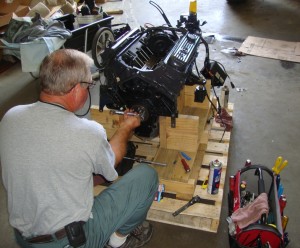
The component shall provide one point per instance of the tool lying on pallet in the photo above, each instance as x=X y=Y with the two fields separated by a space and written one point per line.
x=185 y=156
x=204 y=183
x=184 y=163
x=141 y=160
x=195 y=199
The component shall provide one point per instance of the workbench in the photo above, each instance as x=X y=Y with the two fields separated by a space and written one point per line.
x=195 y=136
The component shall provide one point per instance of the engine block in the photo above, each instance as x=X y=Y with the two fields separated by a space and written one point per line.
x=145 y=71
x=146 y=68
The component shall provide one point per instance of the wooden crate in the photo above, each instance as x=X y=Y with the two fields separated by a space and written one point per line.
x=197 y=138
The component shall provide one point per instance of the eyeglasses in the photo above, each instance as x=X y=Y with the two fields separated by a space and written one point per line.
x=90 y=84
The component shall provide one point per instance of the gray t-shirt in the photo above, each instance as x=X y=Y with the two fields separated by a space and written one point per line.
x=48 y=156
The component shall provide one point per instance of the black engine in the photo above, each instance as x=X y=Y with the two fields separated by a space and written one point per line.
x=146 y=69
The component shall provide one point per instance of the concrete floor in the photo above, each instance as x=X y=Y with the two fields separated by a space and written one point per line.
x=266 y=116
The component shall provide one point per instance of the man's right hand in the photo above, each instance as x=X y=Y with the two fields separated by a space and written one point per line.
x=119 y=140
x=132 y=121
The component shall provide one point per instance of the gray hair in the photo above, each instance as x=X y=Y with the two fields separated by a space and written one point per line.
x=63 y=69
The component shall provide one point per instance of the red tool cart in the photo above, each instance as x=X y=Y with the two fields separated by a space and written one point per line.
x=256 y=217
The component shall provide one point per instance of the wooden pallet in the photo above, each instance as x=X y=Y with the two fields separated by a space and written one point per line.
x=197 y=138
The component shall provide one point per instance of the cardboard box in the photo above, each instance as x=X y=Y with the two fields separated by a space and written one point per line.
x=4 y=19
x=19 y=11
x=6 y=8
x=25 y=2
x=269 y=48
x=22 y=10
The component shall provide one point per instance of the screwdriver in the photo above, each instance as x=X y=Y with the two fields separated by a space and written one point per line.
x=185 y=165
x=185 y=156
x=279 y=165
x=282 y=203
x=141 y=160
x=119 y=112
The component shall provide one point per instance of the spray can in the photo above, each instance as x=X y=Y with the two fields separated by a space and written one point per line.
x=224 y=97
x=214 y=178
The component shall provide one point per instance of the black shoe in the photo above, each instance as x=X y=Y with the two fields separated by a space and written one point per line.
x=139 y=236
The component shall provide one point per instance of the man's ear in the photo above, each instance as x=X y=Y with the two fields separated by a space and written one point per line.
x=77 y=87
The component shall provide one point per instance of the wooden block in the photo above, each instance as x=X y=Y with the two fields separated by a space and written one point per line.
x=202 y=114
x=185 y=136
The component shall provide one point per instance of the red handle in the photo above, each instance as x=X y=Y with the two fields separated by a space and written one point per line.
x=185 y=165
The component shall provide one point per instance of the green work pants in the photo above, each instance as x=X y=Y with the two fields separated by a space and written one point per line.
x=120 y=207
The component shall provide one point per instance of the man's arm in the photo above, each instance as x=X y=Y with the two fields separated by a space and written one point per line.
x=119 y=140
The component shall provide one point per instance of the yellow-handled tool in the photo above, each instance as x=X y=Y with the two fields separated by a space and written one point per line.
x=279 y=166
x=204 y=184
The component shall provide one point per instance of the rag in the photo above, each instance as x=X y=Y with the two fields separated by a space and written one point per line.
x=252 y=212
x=224 y=119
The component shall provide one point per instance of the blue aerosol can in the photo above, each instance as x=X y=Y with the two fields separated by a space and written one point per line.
x=214 y=178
